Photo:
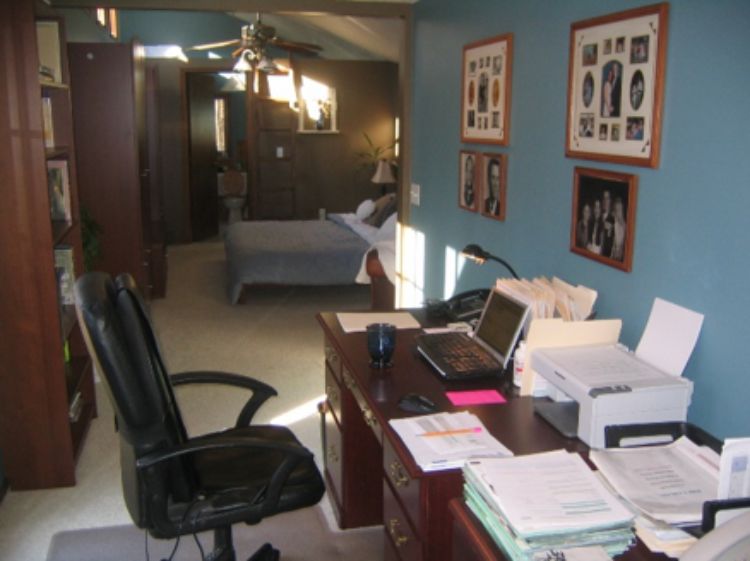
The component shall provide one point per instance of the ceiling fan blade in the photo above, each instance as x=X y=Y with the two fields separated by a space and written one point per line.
x=295 y=46
x=217 y=45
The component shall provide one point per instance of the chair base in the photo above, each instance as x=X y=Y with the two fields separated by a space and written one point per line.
x=266 y=553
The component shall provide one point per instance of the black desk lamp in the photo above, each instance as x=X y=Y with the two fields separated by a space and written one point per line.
x=479 y=256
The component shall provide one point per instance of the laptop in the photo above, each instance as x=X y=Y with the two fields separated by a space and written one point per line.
x=459 y=356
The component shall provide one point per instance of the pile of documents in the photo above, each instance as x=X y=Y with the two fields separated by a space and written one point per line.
x=539 y=505
x=666 y=484
x=669 y=483
x=551 y=298
x=446 y=440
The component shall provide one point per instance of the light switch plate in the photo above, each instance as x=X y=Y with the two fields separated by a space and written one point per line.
x=415 y=193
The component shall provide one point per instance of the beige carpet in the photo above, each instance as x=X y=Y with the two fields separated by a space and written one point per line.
x=301 y=536
x=273 y=336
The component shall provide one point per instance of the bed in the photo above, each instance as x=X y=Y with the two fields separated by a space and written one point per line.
x=301 y=252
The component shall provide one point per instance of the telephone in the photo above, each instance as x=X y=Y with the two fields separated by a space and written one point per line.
x=728 y=542
x=465 y=306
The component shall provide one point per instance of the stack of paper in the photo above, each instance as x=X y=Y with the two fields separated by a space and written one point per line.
x=537 y=504
x=551 y=298
x=660 y=537
x=668 y=483
x=447 y=440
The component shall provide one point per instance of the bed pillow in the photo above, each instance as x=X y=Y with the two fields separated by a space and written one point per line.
x=365 y=209
x=384 y=207
x=388 y=230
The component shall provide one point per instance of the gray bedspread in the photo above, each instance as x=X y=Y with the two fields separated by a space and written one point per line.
x=296 y=252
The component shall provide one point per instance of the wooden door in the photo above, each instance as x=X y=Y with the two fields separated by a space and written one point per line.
x=202 y=155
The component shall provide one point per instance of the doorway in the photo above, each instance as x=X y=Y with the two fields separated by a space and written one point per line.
x=216 y=144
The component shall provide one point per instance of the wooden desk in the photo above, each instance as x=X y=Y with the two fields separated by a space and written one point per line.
x=371 y=477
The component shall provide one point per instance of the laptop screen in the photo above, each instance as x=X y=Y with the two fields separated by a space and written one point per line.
x=501 y=323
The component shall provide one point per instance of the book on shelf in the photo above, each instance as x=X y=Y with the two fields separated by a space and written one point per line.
x=65 y=272
x=58 y=183
x=48 y=127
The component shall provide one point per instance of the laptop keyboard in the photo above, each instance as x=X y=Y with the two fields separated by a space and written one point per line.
x=459 y=354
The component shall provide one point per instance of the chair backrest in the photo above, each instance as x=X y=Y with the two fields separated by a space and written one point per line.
x=122 y=343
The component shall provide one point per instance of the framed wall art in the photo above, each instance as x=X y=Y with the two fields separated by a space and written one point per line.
x=485 y=90
x=603 y=222
x=493 y=177
x=616 y=86
x=468 y=180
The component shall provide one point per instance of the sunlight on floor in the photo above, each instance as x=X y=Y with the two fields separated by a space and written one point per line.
x=299 y=413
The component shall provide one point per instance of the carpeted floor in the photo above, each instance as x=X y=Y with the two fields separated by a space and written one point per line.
x=273 y=336
x=301 y=536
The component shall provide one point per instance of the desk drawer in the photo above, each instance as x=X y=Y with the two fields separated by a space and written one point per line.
x=406 y=489
x=398 y=529
x=333 y=395
x=367 y=415
x=332 y=458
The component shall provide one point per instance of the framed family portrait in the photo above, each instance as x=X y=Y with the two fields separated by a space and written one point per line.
x=493 y=177
x=616 y=86
x=468 y=180
x=485 y=90
x=603 y=222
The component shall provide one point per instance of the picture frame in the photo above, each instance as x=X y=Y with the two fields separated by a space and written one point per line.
x=616 y=86
x=468 y=180
x=493 y=181
x=485 y=90
x=603 y=219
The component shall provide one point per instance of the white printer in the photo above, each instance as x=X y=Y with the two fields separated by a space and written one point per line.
x=600 y=385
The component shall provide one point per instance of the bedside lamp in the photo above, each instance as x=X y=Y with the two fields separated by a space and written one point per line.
x=383 y=175
x=479 y=256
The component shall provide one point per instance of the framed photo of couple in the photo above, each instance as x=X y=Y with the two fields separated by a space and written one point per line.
x=616 y=86
x=482 y=183
x=485 y=90
x=603 y=223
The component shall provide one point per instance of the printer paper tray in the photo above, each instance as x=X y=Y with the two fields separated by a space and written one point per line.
x=561 y=415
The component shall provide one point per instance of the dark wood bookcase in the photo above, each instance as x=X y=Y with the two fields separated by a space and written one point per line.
x=46 y=387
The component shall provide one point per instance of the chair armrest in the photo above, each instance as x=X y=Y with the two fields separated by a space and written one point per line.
x=293 y=455
x=261 y=391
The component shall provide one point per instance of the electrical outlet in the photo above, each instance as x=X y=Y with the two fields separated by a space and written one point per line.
x=415 y=194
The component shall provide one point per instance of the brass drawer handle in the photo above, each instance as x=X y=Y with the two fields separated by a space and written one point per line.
x=399 y=539
x=348 y=380
x=369 y=417
x=333 y=454
x=333 y=395
x=398 y=476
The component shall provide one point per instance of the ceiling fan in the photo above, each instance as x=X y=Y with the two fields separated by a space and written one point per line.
x=251 y=47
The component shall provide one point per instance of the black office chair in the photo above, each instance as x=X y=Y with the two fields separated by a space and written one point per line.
x=173 y=484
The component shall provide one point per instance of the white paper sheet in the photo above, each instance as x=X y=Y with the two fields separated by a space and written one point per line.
x=669 y=337
x=351 y=322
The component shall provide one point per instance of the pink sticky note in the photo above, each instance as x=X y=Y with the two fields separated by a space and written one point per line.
x=475 y=397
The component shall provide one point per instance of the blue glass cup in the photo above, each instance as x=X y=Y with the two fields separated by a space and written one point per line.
x=381 y=342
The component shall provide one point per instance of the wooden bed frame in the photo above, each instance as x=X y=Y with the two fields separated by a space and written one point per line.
x=382 y=291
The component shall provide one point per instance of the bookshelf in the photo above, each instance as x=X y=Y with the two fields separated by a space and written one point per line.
x=47 y=390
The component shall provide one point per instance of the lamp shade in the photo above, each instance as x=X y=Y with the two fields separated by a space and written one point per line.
x=383 y=173
x=243 y=64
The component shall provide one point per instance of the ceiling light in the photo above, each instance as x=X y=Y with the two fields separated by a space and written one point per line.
x=243 y=62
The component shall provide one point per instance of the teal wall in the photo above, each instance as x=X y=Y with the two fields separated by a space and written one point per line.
x=157 y=27
x=691 y=239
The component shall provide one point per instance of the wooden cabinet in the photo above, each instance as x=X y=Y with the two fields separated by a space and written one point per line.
x=46 y=388
x=116 y=183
